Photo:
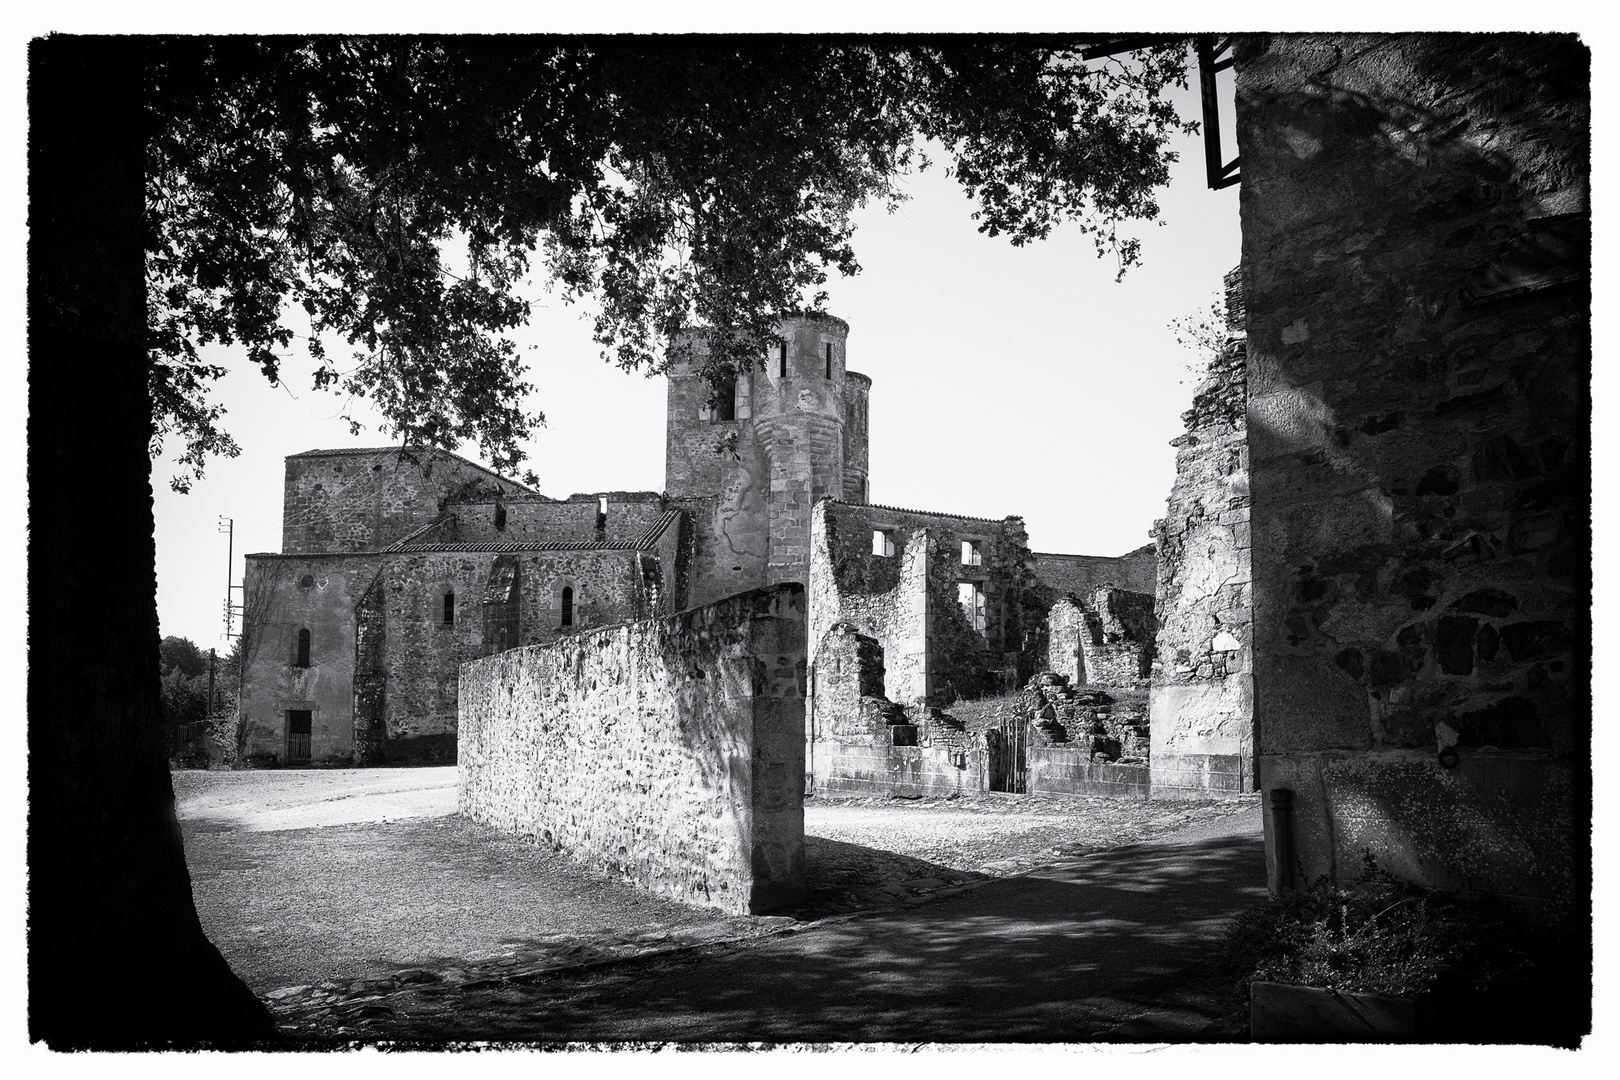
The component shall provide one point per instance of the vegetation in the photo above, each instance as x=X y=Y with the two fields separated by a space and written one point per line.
x=1380 y=936
x=677 y=181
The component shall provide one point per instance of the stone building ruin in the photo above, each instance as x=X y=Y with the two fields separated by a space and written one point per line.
x=398 y=566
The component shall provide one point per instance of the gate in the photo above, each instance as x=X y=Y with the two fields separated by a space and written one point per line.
x=1005 y=756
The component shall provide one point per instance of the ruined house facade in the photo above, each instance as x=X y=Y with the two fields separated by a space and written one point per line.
x=396 y=567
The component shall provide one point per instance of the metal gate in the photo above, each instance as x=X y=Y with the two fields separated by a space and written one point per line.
x=1005 y=756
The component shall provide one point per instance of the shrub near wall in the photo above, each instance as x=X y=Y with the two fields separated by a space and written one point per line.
x=670 y=752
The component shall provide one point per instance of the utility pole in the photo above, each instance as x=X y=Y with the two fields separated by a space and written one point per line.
x=232 y=609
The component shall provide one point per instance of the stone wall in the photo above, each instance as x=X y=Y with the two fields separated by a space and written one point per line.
x=909 y=599
x=1415 y=251
x=1079 y=575
x=1105 y=639
x=1203 y=682
x=538 y=520
x=364 y=500
x=378 y=633
x=669 y=752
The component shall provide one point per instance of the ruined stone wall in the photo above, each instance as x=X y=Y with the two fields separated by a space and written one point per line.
x=364 y=500
x=1079 y=575
x=882 y=596
x=909 y=600
x=857 y=439
x=1415 y=255
x=281 y=596
x=1202 y=698
x=669 y=752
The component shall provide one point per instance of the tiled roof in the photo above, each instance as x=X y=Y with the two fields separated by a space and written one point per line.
x=547 y=545
x=650 y=538
x=412 y=536
x=924 y=513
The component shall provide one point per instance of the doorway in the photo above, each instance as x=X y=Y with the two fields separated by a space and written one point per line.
x=298 y=736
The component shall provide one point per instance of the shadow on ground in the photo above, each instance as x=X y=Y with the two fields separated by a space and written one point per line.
x=1063 y=954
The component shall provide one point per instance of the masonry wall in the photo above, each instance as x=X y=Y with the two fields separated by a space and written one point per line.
x=535 y=519
x=1202 y=697
x=1415 y=255
x=1081 y=574
x=364 y=500
x=669 y=752
x=861 y=743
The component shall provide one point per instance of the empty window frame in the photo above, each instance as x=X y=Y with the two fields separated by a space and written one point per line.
x=568 y=605
x=781 y=359
x=449 y=608
x=883 y=541
x=301 y=659
x=971 y=597
x=725 y=406
x=828 y=347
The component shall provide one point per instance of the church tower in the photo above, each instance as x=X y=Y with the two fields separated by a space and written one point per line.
x=800 y=426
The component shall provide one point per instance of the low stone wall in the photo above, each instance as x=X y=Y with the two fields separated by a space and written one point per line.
x=1070 y=770
x=670 y=752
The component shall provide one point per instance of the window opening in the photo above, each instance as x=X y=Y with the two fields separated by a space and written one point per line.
x=971 y=597
x=726 y=407
x=303 y=649
x=882 y=542
x=449 y=609
x=601 y=517
x=970 y=553
x=500 y=518
x=781 y=359
x=829 y=359
x=568 y=605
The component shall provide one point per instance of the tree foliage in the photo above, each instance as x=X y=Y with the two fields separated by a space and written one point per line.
x=395 y=191
x=183 y=653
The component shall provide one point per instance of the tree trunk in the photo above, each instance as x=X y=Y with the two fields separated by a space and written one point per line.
x=117 y=957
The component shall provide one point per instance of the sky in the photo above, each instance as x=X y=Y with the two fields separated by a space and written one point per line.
x=1005 y=381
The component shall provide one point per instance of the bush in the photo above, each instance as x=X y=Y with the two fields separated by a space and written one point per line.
x=1381 y=936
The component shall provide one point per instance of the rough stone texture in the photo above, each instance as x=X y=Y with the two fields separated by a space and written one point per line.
x=669 y=752
x=790 y=436
x=381 y=685
x=1203 y=673
x=537 y=519
x=861 y=743
x=1105 y=639
x=908 y=601
x=365 y=499
x=1416 y=274
x=1080 y=575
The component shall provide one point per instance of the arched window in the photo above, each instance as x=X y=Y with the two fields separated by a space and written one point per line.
x=568 y=605
x=303 y=649
x=449 y=608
